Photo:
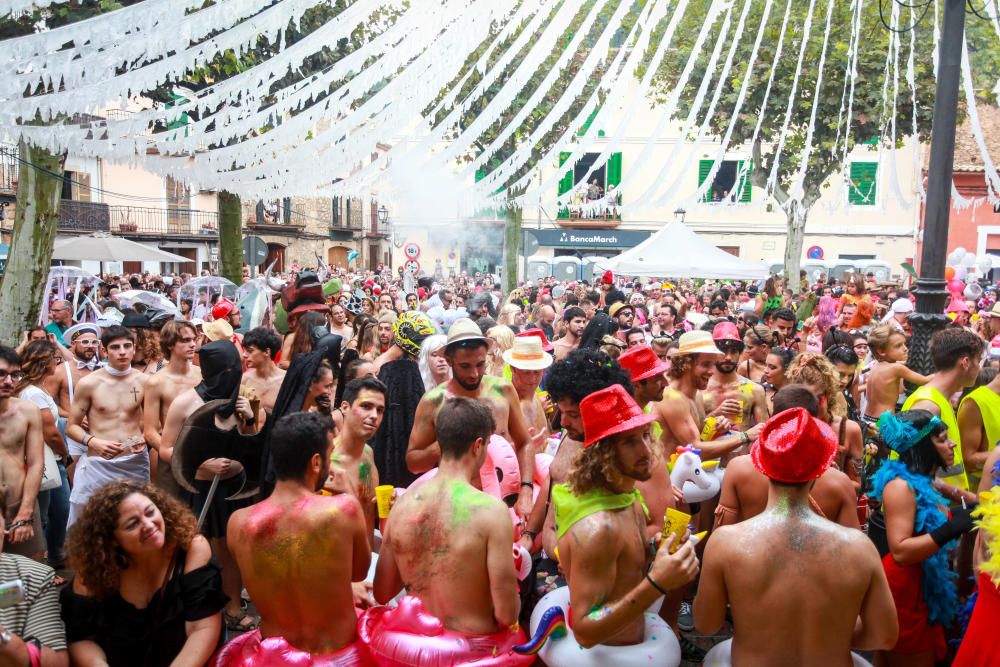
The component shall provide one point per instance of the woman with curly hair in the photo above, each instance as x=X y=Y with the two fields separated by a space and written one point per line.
x=815 y=371
x=146 y=590
x=501 y=339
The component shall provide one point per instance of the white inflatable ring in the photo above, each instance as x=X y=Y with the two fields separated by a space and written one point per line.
x=660 y=647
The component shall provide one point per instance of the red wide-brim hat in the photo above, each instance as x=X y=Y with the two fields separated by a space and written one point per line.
x=609 y=412
x=794 y=447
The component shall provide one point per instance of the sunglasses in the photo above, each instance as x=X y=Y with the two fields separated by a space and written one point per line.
x=729 y=346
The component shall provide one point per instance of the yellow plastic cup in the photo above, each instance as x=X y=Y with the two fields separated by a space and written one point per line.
x=676 y=522
x=383 y=496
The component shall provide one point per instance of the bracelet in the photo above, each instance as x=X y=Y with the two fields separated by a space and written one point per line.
x=744 y=438
x=654 y=584
x=86 y=439
x=530 y=533
x=530 y=485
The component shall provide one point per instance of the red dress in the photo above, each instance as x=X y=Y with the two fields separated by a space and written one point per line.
x=979 y=647
x=916 y=634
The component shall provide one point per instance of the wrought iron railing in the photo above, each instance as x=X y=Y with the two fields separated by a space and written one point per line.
x=80 y=216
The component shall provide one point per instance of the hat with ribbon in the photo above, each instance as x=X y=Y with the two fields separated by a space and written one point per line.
x=611 y=411
x=222 y=308
x=540 y=335
x=527 y=354
x=794 y=447
x=695 y=342
x=642 y=363
x=80 y=329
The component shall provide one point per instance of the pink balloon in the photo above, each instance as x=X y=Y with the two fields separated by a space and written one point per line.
x=955 y=286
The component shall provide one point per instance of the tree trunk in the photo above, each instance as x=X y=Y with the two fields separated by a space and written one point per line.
x=22 y=287
x=511 y=247
x=230 y=237
x=793 y=244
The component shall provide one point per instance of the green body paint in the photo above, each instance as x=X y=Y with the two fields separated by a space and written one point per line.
x=464 y=501
x=598 y=612
x=365 y=471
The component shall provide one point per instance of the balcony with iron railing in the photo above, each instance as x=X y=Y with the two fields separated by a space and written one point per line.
x=137 y=221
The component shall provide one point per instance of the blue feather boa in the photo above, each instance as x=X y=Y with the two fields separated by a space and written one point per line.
x=939 y=590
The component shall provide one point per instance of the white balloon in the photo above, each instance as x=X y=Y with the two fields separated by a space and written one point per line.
x=973 y=291
x=969 y=260
x=985 y=264
x=961 y=272
x=958 y=253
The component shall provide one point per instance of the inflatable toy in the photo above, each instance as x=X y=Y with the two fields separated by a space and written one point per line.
x=409 y=635
x=250 y=650
x=690 y=474
x=553 y=641
x=721 y=655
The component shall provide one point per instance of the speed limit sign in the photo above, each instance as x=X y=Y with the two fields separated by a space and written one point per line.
x=411 y=250
x=412 y=266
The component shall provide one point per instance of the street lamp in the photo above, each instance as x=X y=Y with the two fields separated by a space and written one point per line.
x=679 y=215
x=383 y=214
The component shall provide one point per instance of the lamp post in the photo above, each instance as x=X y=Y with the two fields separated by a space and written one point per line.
x=679 y=215
x=383 y=218
x=930 y=287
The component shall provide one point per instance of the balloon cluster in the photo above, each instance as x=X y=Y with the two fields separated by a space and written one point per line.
x=963 y=271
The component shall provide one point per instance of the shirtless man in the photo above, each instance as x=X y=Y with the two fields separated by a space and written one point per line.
x=604 y=549
x=352 y=465
x=728 y=394
x=884 y=385
x=466 y=354
x=575 y=321
x=448 y=543
x=177 y=341
x=801 y=605
x=260 y=347
x=83 y=341
x=682 y=410
x=338 y=324
x=528 y=361
x=745 y=489
x=298 y=553
x=21 y=461
x=110 y=400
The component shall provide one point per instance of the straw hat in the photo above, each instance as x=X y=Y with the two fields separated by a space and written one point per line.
x=527 y=354
x=794 y=447
x=464 y=329
x=217 y=330
x=611 y=411
x=618 y=307
x=695 y=342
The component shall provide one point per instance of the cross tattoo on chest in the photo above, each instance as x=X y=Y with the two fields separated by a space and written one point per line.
x=135 y=394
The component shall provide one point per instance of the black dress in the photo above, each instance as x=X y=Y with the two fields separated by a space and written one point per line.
x=152 y=636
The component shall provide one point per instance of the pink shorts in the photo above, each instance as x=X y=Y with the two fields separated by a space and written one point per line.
x=250 y=650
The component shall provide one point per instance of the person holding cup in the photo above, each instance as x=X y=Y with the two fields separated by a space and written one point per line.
x=729 y=394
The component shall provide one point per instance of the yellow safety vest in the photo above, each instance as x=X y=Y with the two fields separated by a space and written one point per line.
x=655 y=430
x=955 y=475
x=989 y=408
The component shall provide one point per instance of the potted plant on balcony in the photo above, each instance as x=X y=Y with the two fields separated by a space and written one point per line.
x=128 y=227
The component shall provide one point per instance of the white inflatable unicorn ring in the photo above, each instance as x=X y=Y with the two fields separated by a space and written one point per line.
x=692 y=476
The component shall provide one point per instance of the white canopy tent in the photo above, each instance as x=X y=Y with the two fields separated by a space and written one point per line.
x=677 y=252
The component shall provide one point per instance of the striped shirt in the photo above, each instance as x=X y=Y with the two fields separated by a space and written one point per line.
x=38 y=615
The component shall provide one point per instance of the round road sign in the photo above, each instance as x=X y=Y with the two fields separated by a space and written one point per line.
x=815 y=252
x=412 y=266
x=411 y=250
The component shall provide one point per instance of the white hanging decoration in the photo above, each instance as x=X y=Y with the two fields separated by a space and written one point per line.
x=989 y=168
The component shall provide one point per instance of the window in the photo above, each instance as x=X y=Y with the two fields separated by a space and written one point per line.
x=76 y=186
x=996 y=208
x=599 y=197
x=178 y=205
x=731 y=182
x=863 y=183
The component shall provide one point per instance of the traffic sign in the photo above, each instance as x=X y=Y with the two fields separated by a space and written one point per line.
x=254 y=251
x=815 y=252
x=412 y=266
x=411 y=250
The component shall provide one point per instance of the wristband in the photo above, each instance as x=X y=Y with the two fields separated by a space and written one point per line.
x=530 y=485
x=654 y=584
x=86 y=439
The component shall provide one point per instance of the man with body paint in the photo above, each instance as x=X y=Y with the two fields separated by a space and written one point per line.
x=614 y=571
x=466 y=353
x=352 y=464
x=783 y=572
x=298 y=552
x=449 y=544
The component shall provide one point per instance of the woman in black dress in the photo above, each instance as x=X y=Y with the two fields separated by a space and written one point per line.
x=146 y=590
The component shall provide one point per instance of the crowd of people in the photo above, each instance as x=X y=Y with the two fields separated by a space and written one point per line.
x=402 y=471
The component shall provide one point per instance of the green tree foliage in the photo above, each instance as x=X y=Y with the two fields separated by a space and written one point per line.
x=870 y=118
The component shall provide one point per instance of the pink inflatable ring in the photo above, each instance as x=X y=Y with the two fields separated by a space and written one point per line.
x=409 y=635
x=251 y=650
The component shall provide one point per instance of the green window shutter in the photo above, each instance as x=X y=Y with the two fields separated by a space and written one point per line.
x=744 y=184
x=480 y=174
x=863 y=183
x=704 y=167
x=614 y=170
x=565 y=185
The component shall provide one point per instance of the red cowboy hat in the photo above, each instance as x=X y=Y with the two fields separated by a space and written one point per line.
x=794 y=447
x=537 y=333
x=642 y=363
x=611 y=411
